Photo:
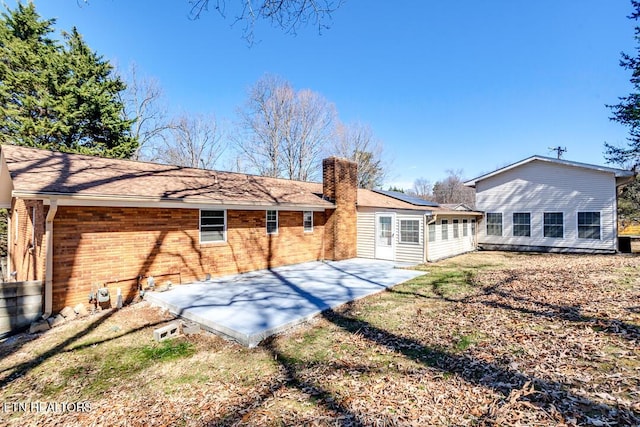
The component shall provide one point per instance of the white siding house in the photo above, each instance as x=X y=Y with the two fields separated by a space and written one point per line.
x=393 y=229
x=546 y=204
x=444 y=242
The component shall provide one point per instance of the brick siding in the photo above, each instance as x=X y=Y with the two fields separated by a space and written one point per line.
x=340 y=185
x=94 y=246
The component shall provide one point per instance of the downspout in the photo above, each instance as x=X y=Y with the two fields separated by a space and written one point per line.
x=9 y=244
x=426 y=240
x=48 y=274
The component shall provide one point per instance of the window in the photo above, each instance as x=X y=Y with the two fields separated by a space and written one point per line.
x=494 y=224
x=444 y=225
x=522 y=224
x=212 y=226
x=307 y=221
x=473 y=227
x=465 y=227
x=456 y=231
x=272 y=222
x=553 y=224
x=589 y=225
x=432 y=232
x=409 y=231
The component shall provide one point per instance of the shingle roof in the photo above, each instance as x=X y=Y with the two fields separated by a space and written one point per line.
x=414 y=200
x=42 y=172
x=373 y=199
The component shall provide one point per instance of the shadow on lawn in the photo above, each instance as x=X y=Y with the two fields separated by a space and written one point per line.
x=552 y=399
x=336 y=413
x=25 y=367
x=507 y=301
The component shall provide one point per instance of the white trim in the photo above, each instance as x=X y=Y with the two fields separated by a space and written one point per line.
x=435 y=231
x=141 y=202
x=48 y=267
x=442 y=238
x=224 y=230
x=564 y=225
x=391 y=215
x=578 y=226
x=618 y=173
x=513 y=223
x=303 y=225
x=400 y=231
x=33 y=227
x=266 y=216
x=486 y=228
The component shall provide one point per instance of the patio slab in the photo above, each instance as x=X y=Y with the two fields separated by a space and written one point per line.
x=252 y=306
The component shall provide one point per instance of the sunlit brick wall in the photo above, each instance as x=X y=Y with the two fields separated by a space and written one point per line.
x=340 y=185
x=94 y=246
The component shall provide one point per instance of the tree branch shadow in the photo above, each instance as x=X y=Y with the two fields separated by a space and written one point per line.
x=549 y=396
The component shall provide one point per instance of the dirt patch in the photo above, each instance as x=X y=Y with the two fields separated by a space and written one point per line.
x=487 y=338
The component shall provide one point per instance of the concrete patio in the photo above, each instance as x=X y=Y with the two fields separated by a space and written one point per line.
x=253 y=306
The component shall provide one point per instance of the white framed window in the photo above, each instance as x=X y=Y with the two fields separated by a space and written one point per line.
x=473 y=227
x=553 y=224
x=272 y=222
x=456 y=231
x=494 y=224
x=589 y=225
x=307 y=221
x=465 y=227
x=444 y=226
x=432 y=232
x=522 y=224
x=410 y=231
x=213 y=226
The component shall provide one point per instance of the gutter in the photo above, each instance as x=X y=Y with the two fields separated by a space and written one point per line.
x=434 y=218
x=65 y=199
x=48 y=281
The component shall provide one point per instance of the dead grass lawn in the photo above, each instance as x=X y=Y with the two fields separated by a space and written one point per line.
x=484 y=339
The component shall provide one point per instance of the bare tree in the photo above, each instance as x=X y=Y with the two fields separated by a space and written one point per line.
x=144 y=103
x=357 y=142
x=289 y=15
x=282 y=131
x=422 y=188
x=195 y=142
x=452 y=190
x=310 y=130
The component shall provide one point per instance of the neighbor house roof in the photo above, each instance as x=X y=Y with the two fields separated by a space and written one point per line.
x=29 y=172
x=622 y=175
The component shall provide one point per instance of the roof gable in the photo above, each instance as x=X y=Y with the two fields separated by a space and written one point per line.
x=617 y=173
x=38 y=173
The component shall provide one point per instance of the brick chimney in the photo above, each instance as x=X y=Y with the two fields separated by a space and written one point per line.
x=340 y=186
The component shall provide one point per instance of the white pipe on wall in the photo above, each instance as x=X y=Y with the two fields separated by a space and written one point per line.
x=48 y=283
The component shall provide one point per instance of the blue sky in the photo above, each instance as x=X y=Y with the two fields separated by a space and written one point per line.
x=465 y=84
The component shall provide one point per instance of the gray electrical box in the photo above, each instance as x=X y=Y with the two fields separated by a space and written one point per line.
x=103 y=295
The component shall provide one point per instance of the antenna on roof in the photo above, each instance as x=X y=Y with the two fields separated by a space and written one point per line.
x=559 y=150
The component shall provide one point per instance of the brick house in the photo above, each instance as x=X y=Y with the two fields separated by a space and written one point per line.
x=79 y=222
